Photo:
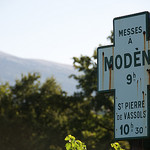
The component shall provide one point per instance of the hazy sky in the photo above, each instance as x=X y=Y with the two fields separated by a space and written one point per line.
x=57 y=30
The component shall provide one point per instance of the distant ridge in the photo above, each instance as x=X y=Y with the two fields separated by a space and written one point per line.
x=11 y=68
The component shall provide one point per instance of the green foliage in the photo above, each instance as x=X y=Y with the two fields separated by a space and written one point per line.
x=29 y=113
x=96 y=123
x=111 y=37
x=88 y=78
x=99 y=129
x=74 y=144
x=116 y=146
x=40 y=115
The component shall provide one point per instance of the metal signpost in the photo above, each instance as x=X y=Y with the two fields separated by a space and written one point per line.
x=125 y=68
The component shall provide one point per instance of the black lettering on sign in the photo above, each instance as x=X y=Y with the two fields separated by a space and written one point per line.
x=130 y=31
x=120 y=106
x=136 y=30
x=129 y=79
x=135 y=115
x=127 y=60
x=140 y=29
x=134 y=104
x=130 y=40
x=146 y=56
x=120 y=33
x=108 y=63
x=125 y=32
x=136 y=59
x=124 y=129
x=118 y=61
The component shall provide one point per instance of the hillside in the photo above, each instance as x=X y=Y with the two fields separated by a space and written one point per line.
x=12 y=67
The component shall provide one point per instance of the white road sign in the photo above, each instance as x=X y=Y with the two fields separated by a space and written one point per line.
x=125 y=68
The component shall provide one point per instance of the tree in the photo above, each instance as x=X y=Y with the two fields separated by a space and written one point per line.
x=99 y=129
x=40 y=115
x=27 y=111
x=87 y=80
x=111 y=37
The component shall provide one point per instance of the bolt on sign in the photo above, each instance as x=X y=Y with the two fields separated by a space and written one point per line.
x=125 y=69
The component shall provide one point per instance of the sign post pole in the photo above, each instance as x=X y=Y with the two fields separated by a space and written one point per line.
x=137 y=145
x=125 y=69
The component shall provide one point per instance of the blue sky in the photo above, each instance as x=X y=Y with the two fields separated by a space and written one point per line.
x=57 y=30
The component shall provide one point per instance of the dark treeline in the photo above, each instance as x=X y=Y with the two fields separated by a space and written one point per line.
x=38 y=116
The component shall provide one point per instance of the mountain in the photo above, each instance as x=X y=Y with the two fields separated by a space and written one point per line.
x=11 y=68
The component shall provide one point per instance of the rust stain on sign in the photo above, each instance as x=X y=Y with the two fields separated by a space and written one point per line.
x=148 y=71
x=110 y=68
x=143 y=95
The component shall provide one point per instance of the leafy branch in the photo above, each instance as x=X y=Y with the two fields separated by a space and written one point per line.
x=116 y=146
x=74 y=144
